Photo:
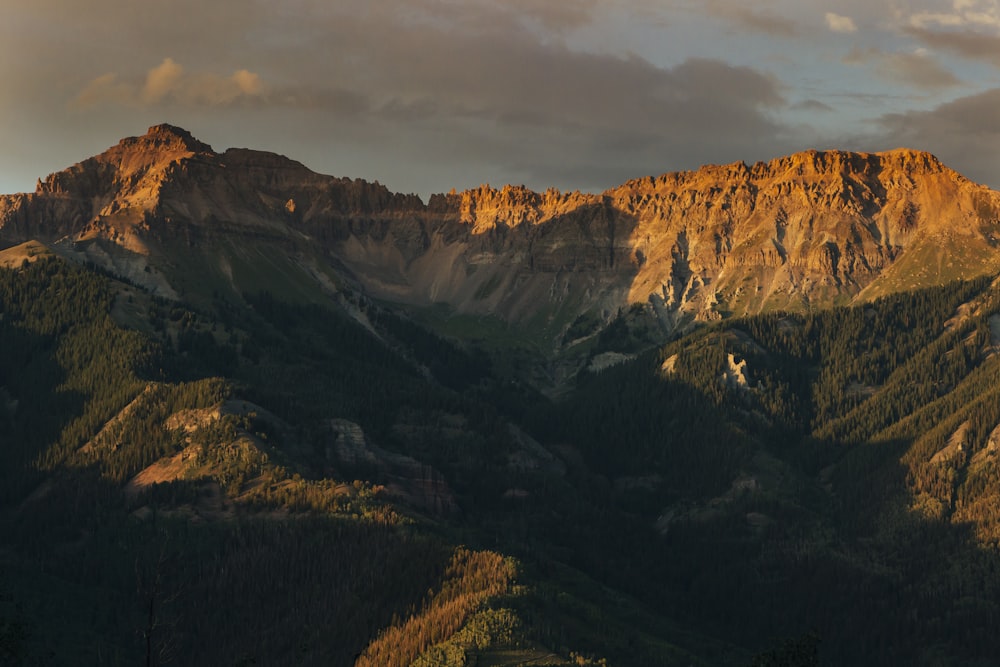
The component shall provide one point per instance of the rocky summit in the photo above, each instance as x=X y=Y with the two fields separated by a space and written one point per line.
x=809 y=230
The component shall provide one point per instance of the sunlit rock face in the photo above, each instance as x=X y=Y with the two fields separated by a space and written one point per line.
x=804 y=231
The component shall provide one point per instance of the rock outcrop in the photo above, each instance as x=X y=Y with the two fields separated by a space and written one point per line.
x=807 y=230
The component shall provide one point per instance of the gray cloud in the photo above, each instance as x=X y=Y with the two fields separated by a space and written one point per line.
x=415 y=93
x=918 y=68
x=470 y=85
x=556 y=16
x=963 y=132
x=812 y=105
x=578 y=120
x=752 y=19
x=968 y=44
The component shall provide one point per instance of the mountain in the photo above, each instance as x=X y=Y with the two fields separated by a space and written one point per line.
x=250 y=414
x=810 y=230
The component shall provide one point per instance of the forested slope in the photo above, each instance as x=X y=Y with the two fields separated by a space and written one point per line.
x=247 y=553
x=831 y=472
x=253 y=481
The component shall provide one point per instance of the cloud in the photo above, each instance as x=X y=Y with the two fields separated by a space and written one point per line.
x=965 y=131
x=247 y=82
x=492 y=91
x=918 y=68
x=924 y=19
x=555 y=16
x=160 y=81
x=571 y=94
x=965 y=13
x=970 y=30
x=527 y=104
x=970 y=45
x=753 y=20
x=592 y=121
x=168 y=82
x=812 y=105
x=838 y=23
x=105 y=89
x=973 y=115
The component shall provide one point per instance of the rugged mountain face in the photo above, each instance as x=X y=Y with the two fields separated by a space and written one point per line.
x=811 y=229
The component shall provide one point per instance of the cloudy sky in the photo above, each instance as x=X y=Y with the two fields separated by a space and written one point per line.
x=427 y=95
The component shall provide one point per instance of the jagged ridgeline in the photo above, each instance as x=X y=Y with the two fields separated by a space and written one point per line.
x=806 y=231
x=250 y=414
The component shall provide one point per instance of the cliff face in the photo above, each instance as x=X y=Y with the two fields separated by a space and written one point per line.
x=807 y=229
x=811 y=229
x=109 y=194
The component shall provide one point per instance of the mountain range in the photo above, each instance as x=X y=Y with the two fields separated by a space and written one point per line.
x=811 y=230
x=740 y=415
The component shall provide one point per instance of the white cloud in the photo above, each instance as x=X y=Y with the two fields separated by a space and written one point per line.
x=838 y=23
x=965 y=13
x=161 y=80
x=248 y=82
x=170 y=83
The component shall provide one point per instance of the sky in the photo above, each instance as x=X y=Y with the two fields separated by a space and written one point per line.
x=429 y=95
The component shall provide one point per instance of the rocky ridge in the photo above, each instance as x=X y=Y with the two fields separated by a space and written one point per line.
x=806 y=230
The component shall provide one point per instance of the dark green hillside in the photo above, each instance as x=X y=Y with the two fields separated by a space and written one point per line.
x=253 y=480
x=846 y=488
x=251 y=541
x=94 y=572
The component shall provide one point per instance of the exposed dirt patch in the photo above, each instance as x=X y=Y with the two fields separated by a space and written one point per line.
x=955 y=445
x=670 y=365
x=165 y=470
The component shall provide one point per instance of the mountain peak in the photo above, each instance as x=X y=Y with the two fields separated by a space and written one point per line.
x=167 y=137
x=133 y=164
